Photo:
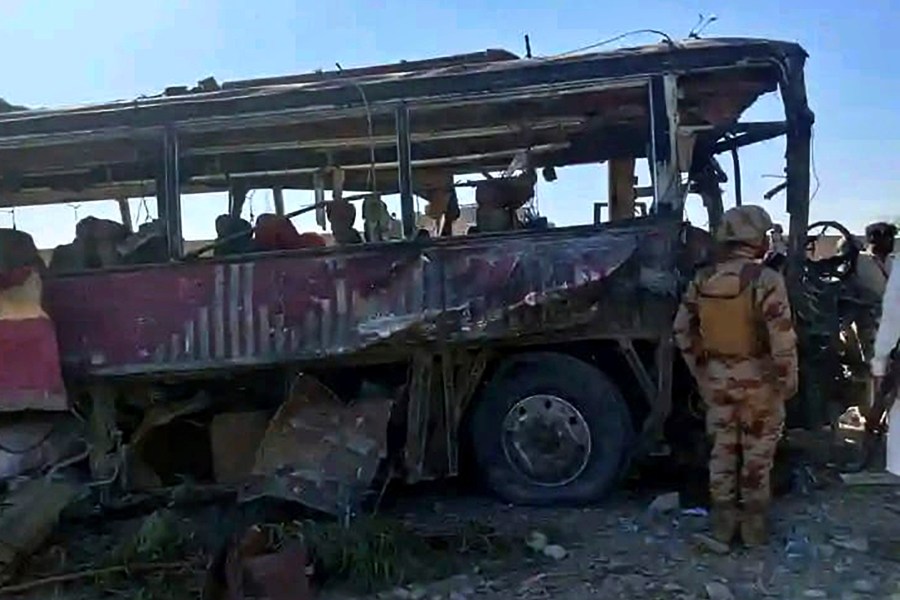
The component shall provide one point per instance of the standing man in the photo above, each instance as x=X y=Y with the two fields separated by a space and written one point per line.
x=885 y=351
x=735 y=332
x=866 y=286
x=776 y=257
x=888 y=336
x=870 y=280
x=880 y=244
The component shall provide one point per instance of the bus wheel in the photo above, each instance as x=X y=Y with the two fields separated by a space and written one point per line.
x=550 y=429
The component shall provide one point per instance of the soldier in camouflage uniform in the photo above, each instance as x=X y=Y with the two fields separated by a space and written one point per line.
x=735 y=332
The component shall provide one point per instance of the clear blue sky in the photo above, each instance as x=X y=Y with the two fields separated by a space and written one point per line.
x=59 y=52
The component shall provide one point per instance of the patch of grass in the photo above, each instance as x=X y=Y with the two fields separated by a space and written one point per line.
x=161 y=536
x=376 y=553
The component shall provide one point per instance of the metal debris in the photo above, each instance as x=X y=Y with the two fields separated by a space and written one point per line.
x=247 y=568
x=138 y=474
x=31 y=442
x=555 y=551
x=234 y=438
x=665 y=503
x=319 y=451
x=164 y=413
x=27 y=517
x=718 y=591
x=536 y=541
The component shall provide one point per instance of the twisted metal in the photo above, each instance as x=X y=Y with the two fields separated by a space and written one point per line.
x=819 y=317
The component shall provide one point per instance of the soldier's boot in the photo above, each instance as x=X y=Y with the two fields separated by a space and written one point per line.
x=754 y=526
x=724 y=522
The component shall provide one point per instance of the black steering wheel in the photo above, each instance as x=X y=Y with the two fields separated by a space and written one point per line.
x=836 y=268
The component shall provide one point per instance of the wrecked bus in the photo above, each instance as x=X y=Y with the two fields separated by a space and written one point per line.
x=317 y=374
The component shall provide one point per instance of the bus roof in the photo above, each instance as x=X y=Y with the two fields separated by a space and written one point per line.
x=468 y=113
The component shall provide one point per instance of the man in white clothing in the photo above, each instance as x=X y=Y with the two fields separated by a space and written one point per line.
x=889 y=329
x=884 y=373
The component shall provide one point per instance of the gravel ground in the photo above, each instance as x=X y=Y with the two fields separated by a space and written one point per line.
x=840 y=543
x=829 y=541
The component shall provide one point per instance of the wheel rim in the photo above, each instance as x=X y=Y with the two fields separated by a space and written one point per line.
x=546 y=439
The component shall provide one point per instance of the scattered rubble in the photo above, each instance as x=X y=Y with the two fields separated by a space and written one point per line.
x=718 y=591
x=28 y=518
x=537 y=541
x=666 y=503
x=249 y=567
x=864 y=586
x=29 y=443
x=555 y=551
x=446 y=547
x=857 y=544
x=709 y=543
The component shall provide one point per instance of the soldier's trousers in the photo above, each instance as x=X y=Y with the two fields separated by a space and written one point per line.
x=745 y=422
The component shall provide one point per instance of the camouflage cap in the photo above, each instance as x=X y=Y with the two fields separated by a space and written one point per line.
x=748 y=224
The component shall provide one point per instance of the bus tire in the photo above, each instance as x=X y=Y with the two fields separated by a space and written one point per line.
x=550 y=429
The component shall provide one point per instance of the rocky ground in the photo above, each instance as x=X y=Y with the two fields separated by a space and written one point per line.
x=830 y=540
x=839 y=543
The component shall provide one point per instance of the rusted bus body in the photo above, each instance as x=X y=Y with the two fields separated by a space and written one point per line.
x=570 y=326
x=437 y=306
x=383 y=301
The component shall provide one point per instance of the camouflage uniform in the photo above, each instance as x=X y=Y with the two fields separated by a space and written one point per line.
x=744 y=377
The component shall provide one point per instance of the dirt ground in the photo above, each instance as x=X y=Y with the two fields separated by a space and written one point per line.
x=829 y=541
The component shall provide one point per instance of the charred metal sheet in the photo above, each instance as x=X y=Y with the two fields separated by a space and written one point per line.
x=496 y=76
x=457 y=60
x=319 y=451
x=383 y=298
